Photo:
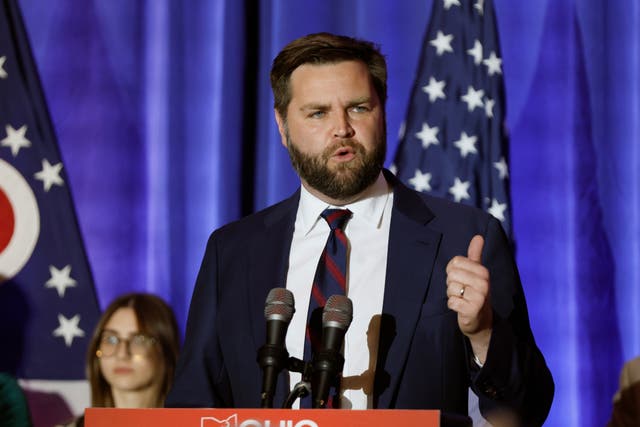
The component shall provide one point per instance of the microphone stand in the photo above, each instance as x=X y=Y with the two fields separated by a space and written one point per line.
x=303 y=387
x=300 y=390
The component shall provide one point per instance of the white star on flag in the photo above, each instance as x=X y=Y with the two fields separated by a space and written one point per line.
x=460 y=190
x=15 y=139
x=49 y=175
x=435 y=89
x=60 y=279
x=428 y=135
x=68 y=329
x=466 y=144
x=457 y=105
x=449 y=3
x=473 y=98
x=488 y=107
x=502 y=167
x=476 y=52
x=3 y=73
x=420 y=181
x=497 y=209
x=493 y=64
x=442 y=43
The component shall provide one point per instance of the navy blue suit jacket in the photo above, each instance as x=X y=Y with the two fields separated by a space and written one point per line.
x=424 y=360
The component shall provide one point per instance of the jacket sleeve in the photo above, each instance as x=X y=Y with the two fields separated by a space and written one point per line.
x=514 y=379
x=200 y=377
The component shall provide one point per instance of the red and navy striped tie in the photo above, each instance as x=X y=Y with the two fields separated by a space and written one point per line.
x=330 y=278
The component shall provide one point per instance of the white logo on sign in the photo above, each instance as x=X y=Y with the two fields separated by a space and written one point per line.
x=232 y=421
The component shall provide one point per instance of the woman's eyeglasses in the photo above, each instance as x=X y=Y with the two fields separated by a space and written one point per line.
x=138 y=344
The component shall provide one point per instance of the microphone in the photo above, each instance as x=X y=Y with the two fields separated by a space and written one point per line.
x=328 y=362
x=273 y=356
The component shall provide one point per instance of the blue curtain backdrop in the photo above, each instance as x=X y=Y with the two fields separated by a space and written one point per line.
x=164 y=118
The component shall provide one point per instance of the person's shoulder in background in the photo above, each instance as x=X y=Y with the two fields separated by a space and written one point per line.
x=626 y=401
x=14 y=411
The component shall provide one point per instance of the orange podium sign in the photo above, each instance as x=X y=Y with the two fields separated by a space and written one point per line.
x=110 y=417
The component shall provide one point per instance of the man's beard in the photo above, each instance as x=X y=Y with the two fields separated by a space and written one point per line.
x=345 y=179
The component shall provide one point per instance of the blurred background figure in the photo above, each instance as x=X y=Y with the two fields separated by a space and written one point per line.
x=626 y=401
x=132 y=355
x=14 y=411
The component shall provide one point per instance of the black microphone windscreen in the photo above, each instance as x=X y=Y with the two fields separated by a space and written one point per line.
x=279 y=305
x=338 y=312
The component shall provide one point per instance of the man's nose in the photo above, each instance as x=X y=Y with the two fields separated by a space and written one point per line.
x=342 y=126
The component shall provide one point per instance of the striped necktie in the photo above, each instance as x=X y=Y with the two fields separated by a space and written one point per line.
x=330 y=278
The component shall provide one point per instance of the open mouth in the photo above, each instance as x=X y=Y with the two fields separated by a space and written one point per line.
x=344 y=154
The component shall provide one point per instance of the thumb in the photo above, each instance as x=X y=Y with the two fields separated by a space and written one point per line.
x=474 y=253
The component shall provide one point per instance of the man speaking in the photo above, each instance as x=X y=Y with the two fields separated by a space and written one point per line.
x=438 y=306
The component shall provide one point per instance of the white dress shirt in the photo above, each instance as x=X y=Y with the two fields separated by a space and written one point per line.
x=368 y=234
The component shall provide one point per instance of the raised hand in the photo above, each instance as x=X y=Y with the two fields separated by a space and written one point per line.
x=468 y=295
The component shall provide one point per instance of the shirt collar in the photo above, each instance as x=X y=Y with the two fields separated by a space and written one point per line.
x=367 y=210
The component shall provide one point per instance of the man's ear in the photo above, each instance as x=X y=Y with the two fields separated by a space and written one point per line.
x=281 y=127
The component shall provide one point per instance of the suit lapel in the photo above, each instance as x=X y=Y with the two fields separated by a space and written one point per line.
x=412 y=251
x=268 y=260
x=267 y=263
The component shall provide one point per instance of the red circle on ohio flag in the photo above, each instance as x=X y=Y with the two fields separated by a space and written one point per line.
x=7 y=221
x=17 y=202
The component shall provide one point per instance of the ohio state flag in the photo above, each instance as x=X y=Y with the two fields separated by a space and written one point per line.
x=48 y=306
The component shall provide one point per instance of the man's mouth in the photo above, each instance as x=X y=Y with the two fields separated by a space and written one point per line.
x=344 y=154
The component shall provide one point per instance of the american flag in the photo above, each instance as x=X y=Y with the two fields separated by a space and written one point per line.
x=453 y=143
x=48 y=306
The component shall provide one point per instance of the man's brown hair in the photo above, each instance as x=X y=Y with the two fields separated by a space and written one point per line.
x=325 y=48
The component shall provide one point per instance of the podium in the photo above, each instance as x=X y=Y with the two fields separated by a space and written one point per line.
x=109 y=417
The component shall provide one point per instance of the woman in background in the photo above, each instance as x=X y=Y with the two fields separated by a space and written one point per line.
x=132 y=354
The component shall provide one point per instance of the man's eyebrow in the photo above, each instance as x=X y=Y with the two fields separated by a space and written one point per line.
x=320 y=106
x=314 y=106
x=361 y=100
